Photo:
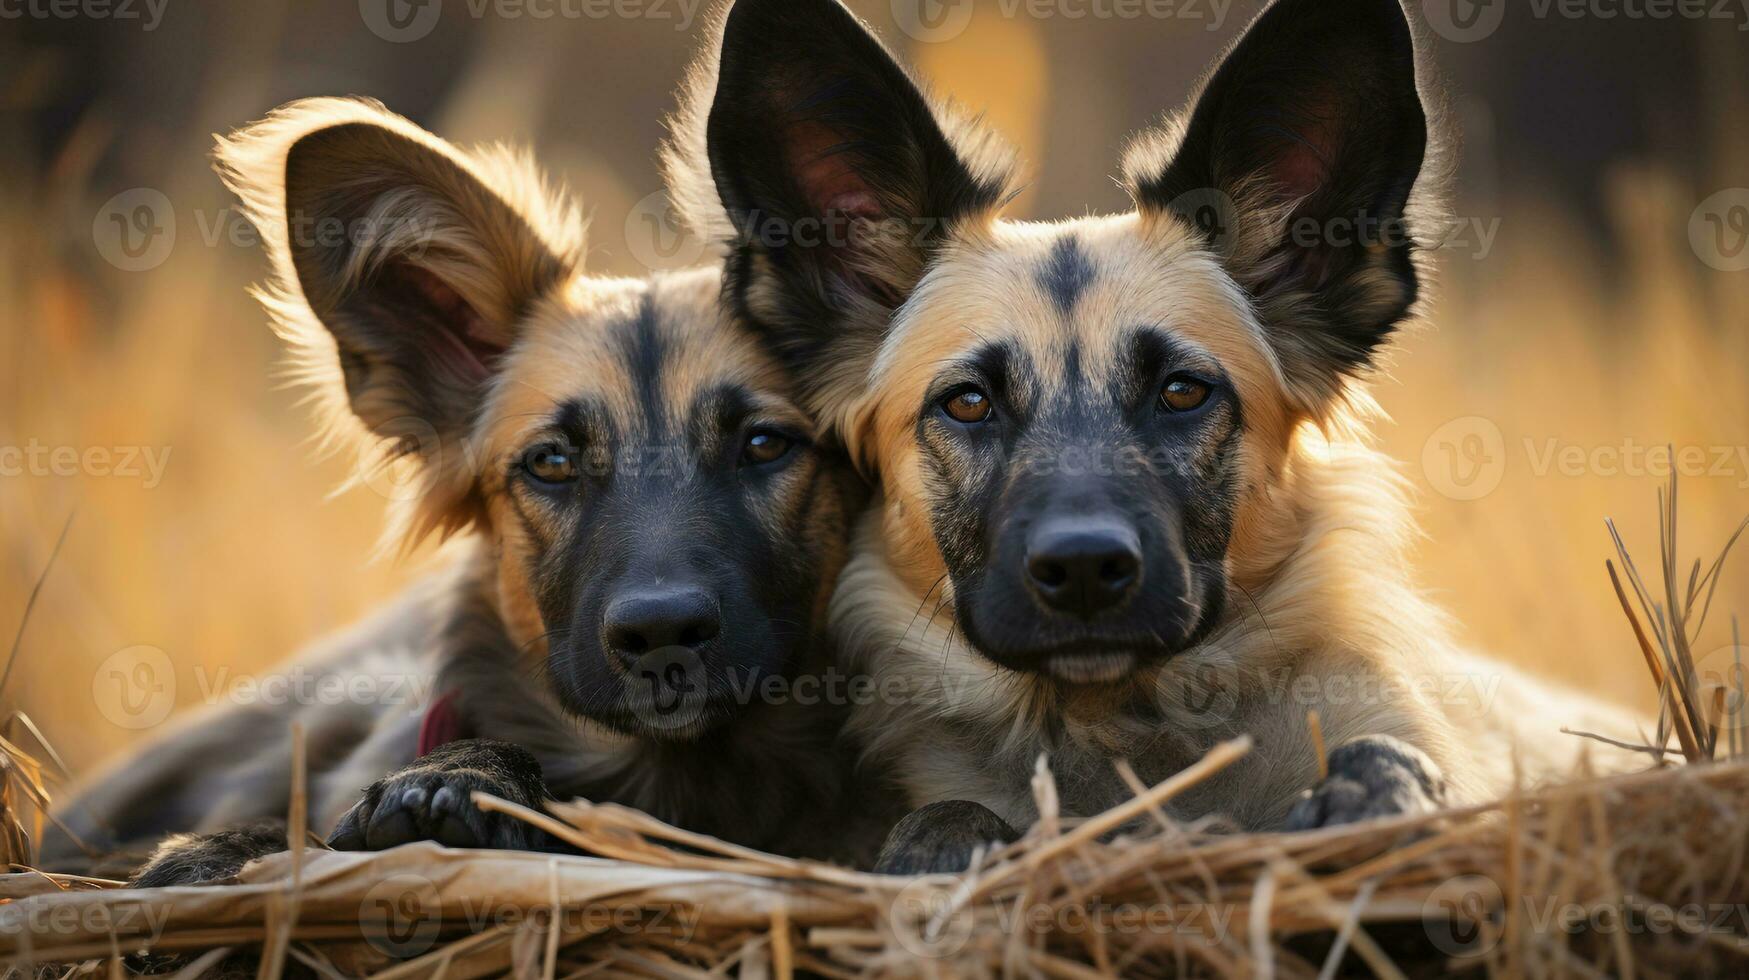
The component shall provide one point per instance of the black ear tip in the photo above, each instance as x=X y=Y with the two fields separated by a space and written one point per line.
x=749 y=22
x=1390 y=17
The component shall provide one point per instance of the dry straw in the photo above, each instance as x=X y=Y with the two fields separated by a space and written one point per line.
x=1642 y=875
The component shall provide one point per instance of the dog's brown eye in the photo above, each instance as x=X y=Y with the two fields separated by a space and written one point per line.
x=765 y=447
x=970 y=406
x=550 y=465
x=1184 y=394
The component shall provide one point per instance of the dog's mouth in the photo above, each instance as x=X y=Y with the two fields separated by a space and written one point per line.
x=1080 y=660
x=1091 y=668
x=660 y=710
x=1080 y=653
x=671 y=695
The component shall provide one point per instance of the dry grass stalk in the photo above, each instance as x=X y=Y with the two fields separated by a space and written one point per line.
x=1693 y=707
x=24 y=793
x=1158 y=900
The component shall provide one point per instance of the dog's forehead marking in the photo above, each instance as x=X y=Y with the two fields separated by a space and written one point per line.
x=1074 y=293
x=1066 y=273
x=648 y=353
x=644 y=351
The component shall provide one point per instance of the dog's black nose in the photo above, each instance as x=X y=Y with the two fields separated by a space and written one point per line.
x=1083 y=565
x=636 y=623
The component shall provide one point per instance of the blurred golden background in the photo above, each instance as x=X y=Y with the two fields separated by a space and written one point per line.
x=1593 y=304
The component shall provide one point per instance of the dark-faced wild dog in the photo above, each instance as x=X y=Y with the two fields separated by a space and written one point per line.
x=646 y=527
x=1120 y=458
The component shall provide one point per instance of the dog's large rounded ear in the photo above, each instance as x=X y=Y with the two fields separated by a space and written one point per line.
x=402 y=267
x=836 y=177
x=1298 y=160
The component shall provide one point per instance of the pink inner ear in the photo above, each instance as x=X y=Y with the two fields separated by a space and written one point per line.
x=464 y=339
x=826 y=179
x=1311 y=140
x=1302 y=170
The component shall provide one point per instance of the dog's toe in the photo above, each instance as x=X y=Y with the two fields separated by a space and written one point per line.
x=1370 y=778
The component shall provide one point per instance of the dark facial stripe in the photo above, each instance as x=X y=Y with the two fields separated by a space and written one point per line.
x=717 y=413
x=993 y=365
x=644 y=351
x=1149 y=354
x=1066 y=273
x=994 y=362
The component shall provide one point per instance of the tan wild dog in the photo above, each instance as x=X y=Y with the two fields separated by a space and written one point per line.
x=646 y=530
x=1128 y=509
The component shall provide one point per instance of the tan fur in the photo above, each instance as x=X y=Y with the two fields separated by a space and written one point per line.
x=487 y=225
x=1331 y=604
x=1319 y=562
x=1321 y=590
x=498 y=249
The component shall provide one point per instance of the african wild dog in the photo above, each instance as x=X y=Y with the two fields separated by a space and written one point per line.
x=1122 y=458
x=646 y=528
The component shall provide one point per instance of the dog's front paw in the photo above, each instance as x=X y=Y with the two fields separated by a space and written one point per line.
x=1372 y=777
x=203 y=859
x=941 y=838
x=432 y=799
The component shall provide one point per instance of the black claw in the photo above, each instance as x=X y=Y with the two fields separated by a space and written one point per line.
x=390 y=827
x=433 y=800
x=349 y=834
x=1373 y=777
x=447 y=800
x=413 y=798
x=941 y=838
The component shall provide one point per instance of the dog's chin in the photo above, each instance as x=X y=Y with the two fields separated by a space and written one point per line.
x=669 y=725
x=1079 y=661
x=1091 y=668
x=671 y=699
x=1075 y=654
x=1081 y=665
